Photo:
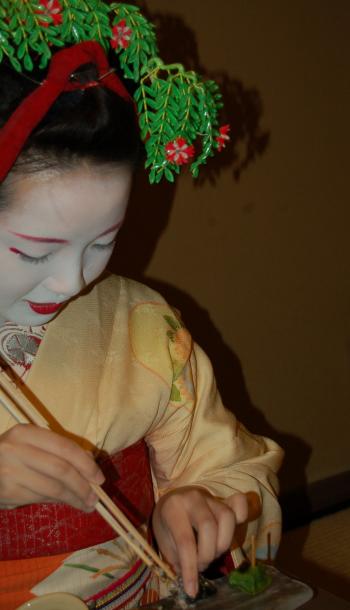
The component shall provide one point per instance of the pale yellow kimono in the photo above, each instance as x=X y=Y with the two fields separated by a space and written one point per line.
x=117 y=366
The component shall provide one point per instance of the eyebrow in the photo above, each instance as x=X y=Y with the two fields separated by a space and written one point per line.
x=111 y=229
x=45 y=240
x=56 y=240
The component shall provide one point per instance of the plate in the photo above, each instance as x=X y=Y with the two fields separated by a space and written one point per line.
x=284 y=593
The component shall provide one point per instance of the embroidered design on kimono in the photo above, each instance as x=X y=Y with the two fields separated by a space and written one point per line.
x=19 y=346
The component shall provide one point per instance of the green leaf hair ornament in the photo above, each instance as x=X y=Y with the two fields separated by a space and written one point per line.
x=177 y=109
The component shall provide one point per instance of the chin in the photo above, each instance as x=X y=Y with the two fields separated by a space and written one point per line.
x=28 y=319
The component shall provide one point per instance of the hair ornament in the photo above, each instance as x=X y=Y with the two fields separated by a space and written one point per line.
x=178 y=110
x=34 y=107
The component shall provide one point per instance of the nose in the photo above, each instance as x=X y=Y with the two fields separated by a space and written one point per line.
x=67 y=281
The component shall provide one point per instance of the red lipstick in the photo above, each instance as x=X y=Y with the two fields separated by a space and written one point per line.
x=45 y=308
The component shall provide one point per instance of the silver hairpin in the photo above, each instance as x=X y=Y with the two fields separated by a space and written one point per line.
x=106 y=74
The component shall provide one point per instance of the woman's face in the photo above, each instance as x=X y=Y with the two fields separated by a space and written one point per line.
x=56 y=236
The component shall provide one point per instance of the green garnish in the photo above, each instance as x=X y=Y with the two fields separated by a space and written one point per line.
x=252 y=580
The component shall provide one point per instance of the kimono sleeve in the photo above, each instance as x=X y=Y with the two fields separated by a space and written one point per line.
x=198 y=442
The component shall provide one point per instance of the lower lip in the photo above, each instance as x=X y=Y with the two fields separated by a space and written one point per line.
x=45 y=308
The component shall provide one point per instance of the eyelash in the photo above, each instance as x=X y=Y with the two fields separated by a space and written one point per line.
x=43 y=259
x=32 y=259
x=105 y=246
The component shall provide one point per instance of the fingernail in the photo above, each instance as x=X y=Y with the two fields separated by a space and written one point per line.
x=91 y=500
x=99 y=478
x=191 y=588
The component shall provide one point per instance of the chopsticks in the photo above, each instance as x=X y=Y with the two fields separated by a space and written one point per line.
x=24 y=412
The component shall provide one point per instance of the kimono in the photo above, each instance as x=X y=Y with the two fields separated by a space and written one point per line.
x=119 y=373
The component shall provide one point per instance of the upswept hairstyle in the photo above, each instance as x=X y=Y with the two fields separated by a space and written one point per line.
x=91 y=124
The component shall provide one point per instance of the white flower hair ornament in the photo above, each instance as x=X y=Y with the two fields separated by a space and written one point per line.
x=178 y=111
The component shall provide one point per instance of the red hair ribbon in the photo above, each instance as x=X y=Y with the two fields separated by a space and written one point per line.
x=32 y=110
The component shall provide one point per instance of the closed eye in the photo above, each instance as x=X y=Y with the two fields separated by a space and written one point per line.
x=105 y=246
x=30 y=259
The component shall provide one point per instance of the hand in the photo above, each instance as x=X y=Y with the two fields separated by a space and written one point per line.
x=193 y=528
x=37 y=465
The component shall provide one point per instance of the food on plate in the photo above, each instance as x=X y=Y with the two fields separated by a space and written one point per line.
x=251 y=579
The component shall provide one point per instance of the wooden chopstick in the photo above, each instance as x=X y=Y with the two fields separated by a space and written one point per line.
x=18 y=399
x=11 y=398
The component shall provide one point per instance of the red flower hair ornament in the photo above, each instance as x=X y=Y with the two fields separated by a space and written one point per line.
x=121 y=35
x=53 y=9
x=176 y=109
x=179 y=151
x=223 y=138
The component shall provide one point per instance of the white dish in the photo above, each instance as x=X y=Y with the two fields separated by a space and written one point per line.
x=54 y=601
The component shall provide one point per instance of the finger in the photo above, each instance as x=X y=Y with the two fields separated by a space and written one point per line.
x=57 y=493
x=165 y=541
x=60 y=446
x=180 y=528
x=50 y=476
x=64 y=482
x=206 y=526
x=44 y=489
x=186 y=547
x=168 y=549
x=238 y=503
x=226 y=523
x=37 y=488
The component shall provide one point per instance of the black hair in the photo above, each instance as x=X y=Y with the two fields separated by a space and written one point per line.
x=92 y=124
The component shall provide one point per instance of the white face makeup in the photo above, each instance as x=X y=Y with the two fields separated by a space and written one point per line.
x=56 y=237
